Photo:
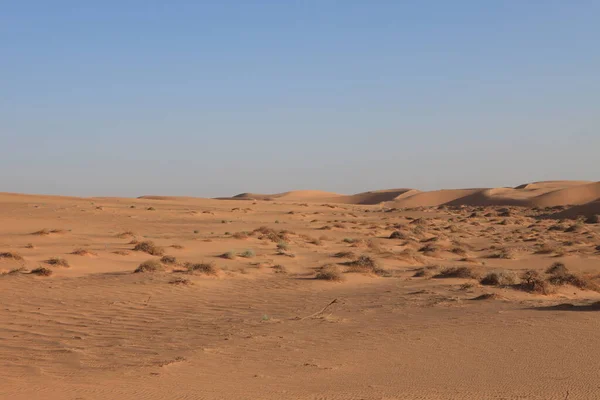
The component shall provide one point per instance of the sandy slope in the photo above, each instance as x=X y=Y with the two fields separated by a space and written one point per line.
x=96 y=330
x=537 y=194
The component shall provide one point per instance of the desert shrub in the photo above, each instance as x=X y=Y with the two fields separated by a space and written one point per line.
x=149 y=266
x=203 y=268
x=397 y=235
x=279 y=269
x=457 y=272
x=348 y=240
x=283 y=246
x=240 y=235
x=248 y=254
x=230 y=255
x=532 y=282
x=181 y=281
x=126 y=234
x=365 y=264
x=505 y=254
x=329 y=273
x=83 y=252
x=557 y=268
x=58 y=262
x=500 y=278
x=344 y=254
x=11 y=255
x=149 y=247
x=41 y=271
x=168 y=260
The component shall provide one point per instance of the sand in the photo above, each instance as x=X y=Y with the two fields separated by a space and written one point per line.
x=262 y=327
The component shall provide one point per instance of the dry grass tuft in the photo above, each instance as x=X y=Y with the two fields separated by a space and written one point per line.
x=149 y=247
x=168 y=260
x=150 y=266
x=532 y=282
x=58 y=262
x=279 y=269
x=83 y=252
x=365 y=264
x=45 y=232
x=344 y=254
x=457 y=272
x=126 y=234
x=230 y=255
x=42 y=271
x=181 y=281
x=557 y=268
x=248 y=254
x=11 y=255
x=330 y=273
x=500 y=278
x=203 y=268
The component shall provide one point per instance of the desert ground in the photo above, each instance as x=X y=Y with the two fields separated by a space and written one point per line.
x=392 y=294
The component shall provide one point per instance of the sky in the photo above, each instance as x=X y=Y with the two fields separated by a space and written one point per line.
x=215 y=98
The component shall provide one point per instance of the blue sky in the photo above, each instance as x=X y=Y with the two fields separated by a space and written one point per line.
x=214 y=98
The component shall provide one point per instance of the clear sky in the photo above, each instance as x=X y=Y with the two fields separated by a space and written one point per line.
x=214 y=98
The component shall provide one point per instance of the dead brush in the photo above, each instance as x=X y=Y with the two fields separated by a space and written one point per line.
x=45 y=232
x=457 y=272
x=500 y=278
x=181 y=282
x=83 y=252
x=560 y=276
x=149 y=247
x=58 y=262
x=126 y=234
x=203 y=268
x=172 y=260
x=11 y=255
x=330 y=272
x=41 y=271
x=149 y=266
x=532 y=282
x=344 y=254
x=365 y=264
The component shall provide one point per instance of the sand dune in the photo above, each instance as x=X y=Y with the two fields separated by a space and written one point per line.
x=585 y=210
x=537 y=194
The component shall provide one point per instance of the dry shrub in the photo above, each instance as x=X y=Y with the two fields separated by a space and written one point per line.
x=500 y=278
x=11 y=255
x=149 y=266
x=271 y=234
x=532 y=282
x=58 y=262
x=240 y=235
x=41 y=271
x=149 y=247
x=457 y=272
x=425 y=271
x=344 y=254
x=203 y=268
x=14 y=271
x=121 y=252
x=279 y=269
x=459 y=251
x=126 y=234
x=398 y=235
x=181 y=281
x=83 y=252
x=365 y=264
x=230 y=255
x=505 y=254
x=29 y=246
x=248 y=254
x=330 y=273
x=557 y=268
x=168 y=260
x=546 y=248
x=430 y=249
x=44 y=232
x=177 y=246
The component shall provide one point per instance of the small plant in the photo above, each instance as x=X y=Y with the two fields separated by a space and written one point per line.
x=11 y=255
x=126 y=234
x=344 y=254
x=29 y=246
x=532 y=282
x=330 y=273
x=149 y=266
x=203 y=268
x=457 y=272
x=557 y=268
x=181 y=281
x=398 y=235
x=83 y=252
x=15 y=271
x=41 y=271
x=248 y=254
x=168 y=260
x=284 y=246
x=500 y=278
x=365 y=264
x=279 y=269
x=230 y=255
x=58 y=262
x=348 y=240
x=240 y=235
x=149 y=247
x=196 y=231
x=151 y=209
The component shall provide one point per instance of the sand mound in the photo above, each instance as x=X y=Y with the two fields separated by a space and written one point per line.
x=372 y=197
x=434 y=198
x=574 y=195
x=550 y=185
x=587 y=210
x=294 y=195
